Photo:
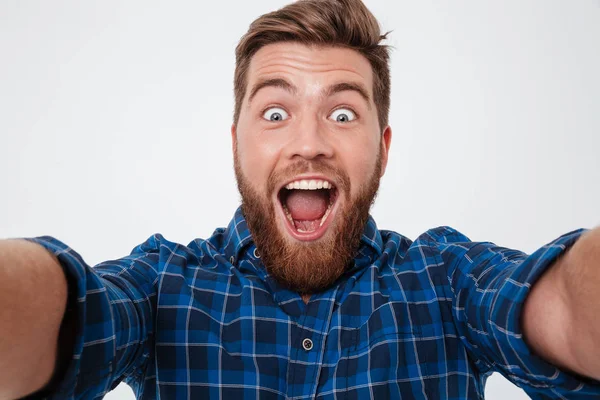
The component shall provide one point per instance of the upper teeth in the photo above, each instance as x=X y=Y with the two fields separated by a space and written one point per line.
x=309 y=184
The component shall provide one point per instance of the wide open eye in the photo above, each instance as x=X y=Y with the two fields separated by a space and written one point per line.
x=343 y=115
x=275 y=114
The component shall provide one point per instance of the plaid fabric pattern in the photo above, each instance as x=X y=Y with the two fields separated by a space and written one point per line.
x=429 y=319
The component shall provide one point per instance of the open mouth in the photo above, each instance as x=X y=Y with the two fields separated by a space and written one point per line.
x=308 y=205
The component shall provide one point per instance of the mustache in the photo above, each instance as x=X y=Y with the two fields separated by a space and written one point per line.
x=339 y=177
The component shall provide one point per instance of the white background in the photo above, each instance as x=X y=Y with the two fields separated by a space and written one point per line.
x=115 y=117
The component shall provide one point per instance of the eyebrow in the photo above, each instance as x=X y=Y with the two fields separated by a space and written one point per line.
x=330 y=91
x=349 y=86
x=273 y=82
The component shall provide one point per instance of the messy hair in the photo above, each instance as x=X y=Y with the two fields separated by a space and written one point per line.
x=338 y=23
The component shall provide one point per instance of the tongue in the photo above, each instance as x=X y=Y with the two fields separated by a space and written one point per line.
x=307 y=205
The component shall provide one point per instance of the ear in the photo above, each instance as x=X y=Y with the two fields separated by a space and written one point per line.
x=233 y=138
x=386 y=142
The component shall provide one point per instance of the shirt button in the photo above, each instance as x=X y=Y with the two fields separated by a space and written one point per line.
x=232 y=259
x=307 y=344
x=256 y=255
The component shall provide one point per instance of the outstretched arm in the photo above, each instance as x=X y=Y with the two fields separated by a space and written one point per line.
x=33 y=297
x=561 y=317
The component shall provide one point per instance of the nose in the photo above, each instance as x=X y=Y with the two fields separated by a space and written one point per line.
x=310 y=141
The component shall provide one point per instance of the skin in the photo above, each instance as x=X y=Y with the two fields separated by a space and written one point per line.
x=560 y=316
x=33 y=295
x=310 y=132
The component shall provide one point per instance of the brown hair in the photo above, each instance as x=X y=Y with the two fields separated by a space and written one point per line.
x=341 y=23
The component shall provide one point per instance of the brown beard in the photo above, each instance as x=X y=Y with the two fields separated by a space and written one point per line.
x=307 y=267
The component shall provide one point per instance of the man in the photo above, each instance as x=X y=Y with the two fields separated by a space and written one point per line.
x=302 y=296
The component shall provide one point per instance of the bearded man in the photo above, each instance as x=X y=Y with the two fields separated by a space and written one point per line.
x=301 y=295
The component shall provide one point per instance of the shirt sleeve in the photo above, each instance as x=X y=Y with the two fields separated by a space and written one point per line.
x=114 y=305
x=489 y=285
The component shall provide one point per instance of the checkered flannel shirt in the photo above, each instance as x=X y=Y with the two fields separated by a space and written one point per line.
x=429 y=319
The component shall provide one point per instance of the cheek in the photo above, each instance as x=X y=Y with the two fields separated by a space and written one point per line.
x=257 y=158
x=360 y=160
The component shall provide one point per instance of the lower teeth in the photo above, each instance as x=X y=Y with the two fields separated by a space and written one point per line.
x=325 y=216
x=288 y=215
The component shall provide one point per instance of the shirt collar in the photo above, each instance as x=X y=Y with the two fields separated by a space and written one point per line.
x=237 y=237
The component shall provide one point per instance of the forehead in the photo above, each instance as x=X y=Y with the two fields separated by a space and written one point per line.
x=310 y=65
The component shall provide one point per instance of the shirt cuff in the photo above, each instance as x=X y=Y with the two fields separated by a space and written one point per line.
x=90 y=367
x=522 y=365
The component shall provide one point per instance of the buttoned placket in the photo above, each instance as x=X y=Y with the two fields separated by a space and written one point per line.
x=309 y=344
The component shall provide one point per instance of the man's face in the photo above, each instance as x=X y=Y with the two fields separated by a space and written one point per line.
x=309 y=153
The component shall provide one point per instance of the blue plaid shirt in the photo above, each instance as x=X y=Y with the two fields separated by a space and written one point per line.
x=429 y=319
